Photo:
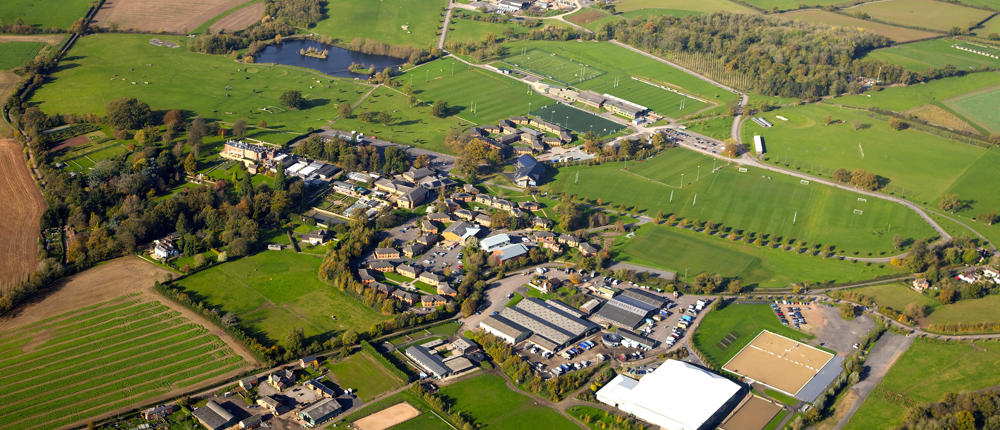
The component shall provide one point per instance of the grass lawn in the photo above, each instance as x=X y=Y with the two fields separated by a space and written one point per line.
x=902 y=99
x=44 y=13
x=781 y=397
x=366 y=375
x=747 y=321
x=918 y=165
x=707 y=6
x=970 y=187
x=599 y=419
x=981 y=108
x=896 y=296
x=691 y=253
x=989 y=27
x=925 y=373
x=966 y=311
x=466 y=30
x=600 y=64
x=428 y=418
x=930 y=14
x=718 y=128
x=103 y=67
x=818 y=16
x=773 y=424
x=493 y=95
x=488 y=399
x=93 y=360
x=17 y=54
x=396 y=22
x=275 y=291
x=755 y=201
x=935 y=53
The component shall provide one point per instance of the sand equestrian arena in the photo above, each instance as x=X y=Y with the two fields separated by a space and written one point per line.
x=752 y=413
x=387 y=417
x=175 y=16
x=778 y=362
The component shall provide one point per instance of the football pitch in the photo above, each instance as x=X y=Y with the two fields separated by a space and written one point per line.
x=562 y=69
x=982 y=107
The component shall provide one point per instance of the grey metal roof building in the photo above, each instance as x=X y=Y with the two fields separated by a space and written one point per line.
x=631 y=339
x=550 y=321
x=504 y=328
x=625 y=310
x=645 y=296
x=320 y=411
x=432 y=363
x=213 y=416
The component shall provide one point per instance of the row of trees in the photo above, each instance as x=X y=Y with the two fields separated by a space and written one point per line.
x=860 y=178
x=388 y=160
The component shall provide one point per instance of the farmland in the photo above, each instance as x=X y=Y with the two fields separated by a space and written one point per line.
x=492 y=403
x=275 y=291
x=903 y=99
x=103 y=67
x=234 y=20
x=930 y=14
x=395 y=22
x=776 y=5
x=745 y=322
x=928 y=54
x=817 y=16
x=925 y=373
x=972 y=311
x=918 y=165
x=594 y=19
x=17 y=54
x=754 y=201
x=43 y=14
x=980 y=107
x=178 y=16
x=494 y=96
x=96 y=359
x=365 y=374
x=760 y=267
x=21 y=210
x=707 y=6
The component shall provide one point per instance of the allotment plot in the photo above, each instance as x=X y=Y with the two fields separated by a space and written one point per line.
x=781 y=363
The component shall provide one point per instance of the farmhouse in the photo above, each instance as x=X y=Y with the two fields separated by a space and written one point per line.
x=430 y=362
x=271 y=404
x=213 y=416
x=281 y=379
x=658 y=400
x=320 y=388
x=309 y=361
x=320 y=411
x=921 y=285
x=529 y=171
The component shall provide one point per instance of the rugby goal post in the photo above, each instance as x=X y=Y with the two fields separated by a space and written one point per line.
x=743 y=169
x=858 y=212
x=862 y=200
x=803 y=182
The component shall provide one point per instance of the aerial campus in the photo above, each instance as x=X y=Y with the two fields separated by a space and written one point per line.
x=510 y=214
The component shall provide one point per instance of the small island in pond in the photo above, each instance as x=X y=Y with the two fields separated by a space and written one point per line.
x=315 y=52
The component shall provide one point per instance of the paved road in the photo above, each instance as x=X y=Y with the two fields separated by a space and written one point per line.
x=881 y=357
x=447 y=20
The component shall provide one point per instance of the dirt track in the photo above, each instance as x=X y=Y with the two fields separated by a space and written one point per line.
x=239 y=20
x=175 y=16
x=21 y=209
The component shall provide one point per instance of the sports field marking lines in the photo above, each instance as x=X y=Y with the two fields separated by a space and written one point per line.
x=862 y=150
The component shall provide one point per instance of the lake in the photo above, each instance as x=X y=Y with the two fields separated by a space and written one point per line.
x=335 y=64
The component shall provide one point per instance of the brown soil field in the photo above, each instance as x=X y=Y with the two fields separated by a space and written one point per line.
x=21 y=209
x=752 y=414
x=387 y=417
x=585 y=17
x=240 y=19
x=176 y=16
x=71 y=142
x=936 y=115
x=899 y=34
x=51 y=39
x=778 y=362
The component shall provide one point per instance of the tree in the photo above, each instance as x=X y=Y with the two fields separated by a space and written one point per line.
x=127 y=114
x=239 y=129
x=897 y=241
x=279 y=178
x=440 y=109
x=842 y=175
x=191 y=164
x=350 y=337
x=897 y=124
x=864 y=180
x=173 y=119
x=295 y=340
x=734 y=286
x=383 y=117
x=344 y=110
x=79 y=27
x=950 y=203
x=293 y=99
x=914 y=311
x=732 y=150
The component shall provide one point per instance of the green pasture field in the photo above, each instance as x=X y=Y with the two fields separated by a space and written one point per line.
x=747 y=321
x=928 y=14
x=966 y=311
x=902 y=99
x=383 y=21
x=429 y=419
x=366 y=375
x=776 y=5
x=926 y=373
x=467 y=30
x=982 y=107
x=756 y=201
x=488 y=399
x=718 y=128
x=575 y=119
x=918 y=165
x=990 y=4
x=17 y=54
x=409 y=126
x=273 y=292
x=971 y=186
x=42 y=13
x=599 y=419
x=707 y=6
x=989 y=27
x=618 y=64
x=92 y=360
x=494 y=96
x=595 y=20
x=931 y=54
x=684 y=251
x=895 y=296
x=103 y=67
x=819 y=16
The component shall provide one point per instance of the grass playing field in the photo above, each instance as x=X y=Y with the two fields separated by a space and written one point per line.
x=274 y=291
x=707 y=6
x=818 y=16
x=920 y=166
x=760 y=267
x=718 y=128
x=493 y=404
x=365 y=374
x=395 y=22
x=17 y=54
x=980 y=107
x=103 y=67
x=604 y=65
x=92 y=360
x=966 y=311
x=925 y=373
x=755 y=200
x=83 y=157
x=929 y=14
x=745 y=322
x=493 y=96
x=44 y=13
x=575 y=119
x=932 y=54
x=970 y=187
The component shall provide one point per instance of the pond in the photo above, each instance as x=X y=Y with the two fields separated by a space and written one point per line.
x=337 y=62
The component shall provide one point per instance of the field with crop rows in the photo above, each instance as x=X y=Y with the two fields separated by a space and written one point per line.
x=93 y=360
x=818 y=16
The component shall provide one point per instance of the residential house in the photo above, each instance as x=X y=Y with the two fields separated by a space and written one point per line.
x=309 y=361
x=433 y=300
x=164 y=249
x=439 y=217
x=281 y=379
x=529 y=172
x=320 y=411
x=569 y=240
x=411 y=250
x=484 y=220
x=554 y=247
x=484 y=199
x=446 y=290
x=405 y=297
x=543 y=236
x=503 y=204
x=510 y=139
x=249 y=382
x=213 y=416
x=412 y=198
x=519 y=213
x=365 y=276
x=541 y=223
x=520 y=120
x=506 y=123
x=408 y=271
x=428 y=226
x=969 y=276
x=471 y=189
x=921 y=284
x=465 y=214
x=427 y=240
x=381 y=266
x=491 y=129
x=315 y=238
x=384 y=289
x=386 y=253
x=432 y=279
x=586 y=249
x=463 y=197
x=546 y=285
x=158 y=412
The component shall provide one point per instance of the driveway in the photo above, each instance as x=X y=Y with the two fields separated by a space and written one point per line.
x=882 y=356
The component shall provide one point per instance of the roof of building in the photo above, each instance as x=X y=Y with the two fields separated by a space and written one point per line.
x=321 y=387
x=590 y=96
x=430 y=362
x=656 y=397
x=213 y=415
x=458 y=364
x=625 y=311
x=494 y=241
x=321 y=409
x=645 y=297
x=528 y=167
x=642 y=340
x=462 y=229
x=548 y=319
x=503 y=325
x=386 y=251
x=513 y=250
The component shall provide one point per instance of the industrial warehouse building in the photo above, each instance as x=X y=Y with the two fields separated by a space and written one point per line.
x=552 y=324
x=629 y=308
x=675 y=396
x=427 y=360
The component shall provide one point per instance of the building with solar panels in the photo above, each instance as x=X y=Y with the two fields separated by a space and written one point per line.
x=629 y=308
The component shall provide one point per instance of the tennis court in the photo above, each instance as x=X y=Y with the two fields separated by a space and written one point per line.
x=577 y=120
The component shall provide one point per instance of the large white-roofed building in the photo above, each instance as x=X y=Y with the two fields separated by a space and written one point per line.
x=675 y=396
